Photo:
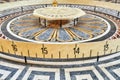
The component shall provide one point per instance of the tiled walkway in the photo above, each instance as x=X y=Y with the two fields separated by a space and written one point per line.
x=108 y=68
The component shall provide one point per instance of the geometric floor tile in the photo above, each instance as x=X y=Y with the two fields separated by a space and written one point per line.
x=36 y=75
x=7 y=72
x=41 y=73
x=4 y=73
x=105 y=69
x=85 y=77
x=39 y=77
x=117 y=71
x=108 y=69
x=82 y=71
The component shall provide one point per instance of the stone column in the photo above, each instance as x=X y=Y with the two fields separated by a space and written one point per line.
x=74 y=22
x=60 y=23
x=45 y=22
x=39 y=20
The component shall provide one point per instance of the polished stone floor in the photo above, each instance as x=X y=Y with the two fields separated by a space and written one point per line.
x=107 y=68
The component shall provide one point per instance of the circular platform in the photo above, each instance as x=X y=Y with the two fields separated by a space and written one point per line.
x=58 y=13
x=88 y=28
x=45 y=61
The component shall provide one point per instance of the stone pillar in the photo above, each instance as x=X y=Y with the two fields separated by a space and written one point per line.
x=39 y=21
x=45 y=22
x=74 y=22
x=77 y=20
x=60 y=23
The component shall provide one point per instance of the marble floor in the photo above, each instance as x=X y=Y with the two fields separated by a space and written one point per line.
x=107 y=68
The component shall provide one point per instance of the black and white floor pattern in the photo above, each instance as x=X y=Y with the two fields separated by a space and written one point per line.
x=108 y=68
